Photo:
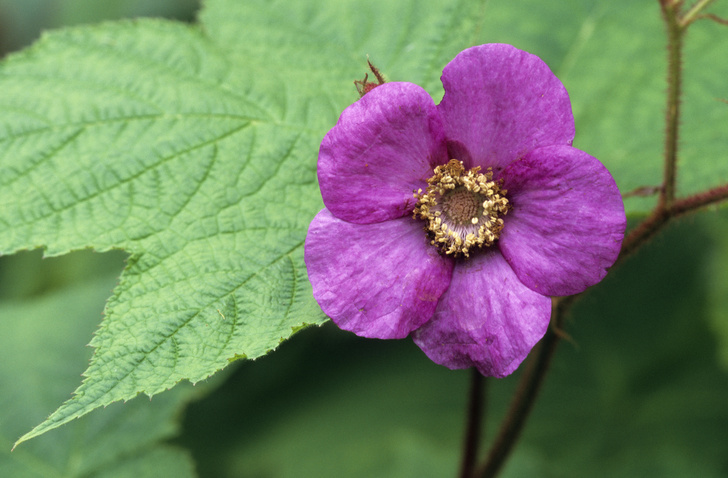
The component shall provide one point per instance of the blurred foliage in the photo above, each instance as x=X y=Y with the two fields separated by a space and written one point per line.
x=42 y=354
x=716 y=281
x=21 y=21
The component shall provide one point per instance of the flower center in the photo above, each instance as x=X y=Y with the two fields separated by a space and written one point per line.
x=462 y=208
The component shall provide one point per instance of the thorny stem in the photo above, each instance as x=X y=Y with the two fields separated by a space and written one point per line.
x=659 y=217
x=674 y=79
x=700 y=200
x=667 y=208
x=474 y=425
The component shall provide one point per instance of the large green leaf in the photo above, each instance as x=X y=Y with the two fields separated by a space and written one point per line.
x=194 y=149
x=126 y=136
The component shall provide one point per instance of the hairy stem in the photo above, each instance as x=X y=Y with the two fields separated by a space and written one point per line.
x=674 y=79
x=700 y=200
x=660 y=217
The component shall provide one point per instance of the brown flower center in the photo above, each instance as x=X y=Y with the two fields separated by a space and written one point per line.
x=462 y=208
x=461 y=205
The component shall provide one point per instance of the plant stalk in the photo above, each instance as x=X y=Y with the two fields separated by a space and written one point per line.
x=674 y=84
x=474 y=424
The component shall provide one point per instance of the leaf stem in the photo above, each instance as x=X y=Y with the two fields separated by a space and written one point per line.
x=713 y=17
x=700 y=200
x=660 y=217
x=692 y=14
x=474 y=424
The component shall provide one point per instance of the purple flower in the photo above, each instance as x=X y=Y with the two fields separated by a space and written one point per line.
x=457 y=222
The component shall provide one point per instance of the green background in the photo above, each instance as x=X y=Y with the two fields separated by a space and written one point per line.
x=642 y=390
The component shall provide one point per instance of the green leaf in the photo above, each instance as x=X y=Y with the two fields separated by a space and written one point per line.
x=194 y=149
x=109 y=143
x=41 y=357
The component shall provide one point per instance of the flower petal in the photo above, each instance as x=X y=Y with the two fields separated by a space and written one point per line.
x=567 y=223
x=501 y=102
x=487 y=318
x=378 y=280
x=383 y=148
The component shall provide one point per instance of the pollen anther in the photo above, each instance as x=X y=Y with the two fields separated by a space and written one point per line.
x=462 y=208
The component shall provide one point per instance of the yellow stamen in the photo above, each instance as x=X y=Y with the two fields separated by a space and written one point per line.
x=462 y=208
